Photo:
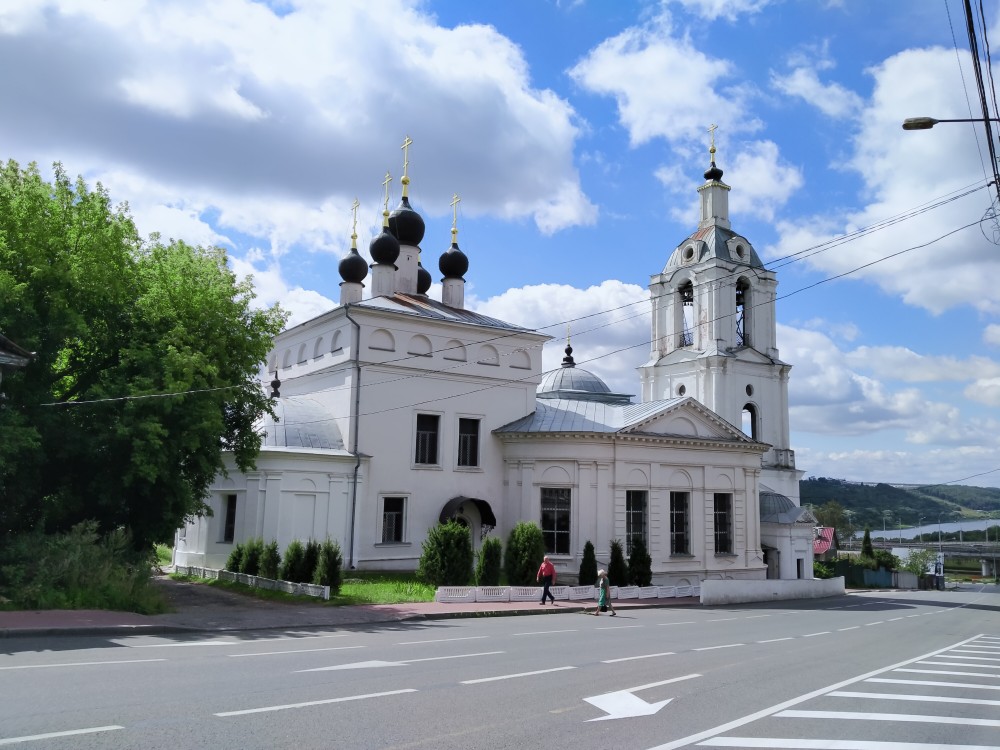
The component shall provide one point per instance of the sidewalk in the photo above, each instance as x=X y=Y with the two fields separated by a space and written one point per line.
x=200 y=608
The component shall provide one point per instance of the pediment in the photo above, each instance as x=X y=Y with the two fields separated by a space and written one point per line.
x=684 y=417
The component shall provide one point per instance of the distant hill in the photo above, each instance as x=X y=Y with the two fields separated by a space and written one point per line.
x=905 y=502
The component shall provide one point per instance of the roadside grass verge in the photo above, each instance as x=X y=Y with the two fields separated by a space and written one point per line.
x=361 y=588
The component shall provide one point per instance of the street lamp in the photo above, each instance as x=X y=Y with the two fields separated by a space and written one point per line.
x=920 y=523
x=926 y=123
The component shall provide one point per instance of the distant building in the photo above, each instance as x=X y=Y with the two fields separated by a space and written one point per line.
x=826 y=544
x=12 y=356
x=397 y=412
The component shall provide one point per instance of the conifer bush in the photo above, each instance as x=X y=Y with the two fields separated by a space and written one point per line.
x=588 y=565
x=235 y=559
x=446 y=559
x=489 y=562
x=525 y=550
x=617 y=569
x=292 y=568
x=270 y=561
x=640 y=564
x=252 y=550
x=310 y=560
x=328 y=567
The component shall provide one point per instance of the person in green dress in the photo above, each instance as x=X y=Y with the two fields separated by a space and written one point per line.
x=604 y=594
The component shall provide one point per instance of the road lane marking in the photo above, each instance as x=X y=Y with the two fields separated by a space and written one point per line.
x=774 y=743
x=936 y=683
x=185 y=645
x=863 y=716
x=921 y=698
x=853 y=627
x=619 y=627
x=513 y=676
x=295 y=651
x=624 y=704
x=775 y=640
x=947 y=672
x=723 y=619
x=712 y=648
x=546 y=632
x=953 y=655
x=313 y=703
x=643 y=656
x=767 y=712
x=81 y=664
x=810 y=635
x=686 y=622
x=957 y=664
x=442 y=640
x=51 y=735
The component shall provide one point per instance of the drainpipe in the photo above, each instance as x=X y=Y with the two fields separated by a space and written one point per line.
x=356 y=419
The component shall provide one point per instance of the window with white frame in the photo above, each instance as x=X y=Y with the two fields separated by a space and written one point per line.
x=723 y=517
x=427 y=439
x=229 y=519
x=635 y=518
x=680 y=537
x=393 y=520
x=555 y=519
x=468 y=442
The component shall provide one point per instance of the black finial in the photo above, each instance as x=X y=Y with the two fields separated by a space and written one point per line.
x=568 y=359
x=275 y=385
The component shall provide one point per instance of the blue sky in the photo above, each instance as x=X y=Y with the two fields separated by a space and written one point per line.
x=576 y=134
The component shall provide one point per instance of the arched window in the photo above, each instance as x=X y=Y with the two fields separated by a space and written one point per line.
x=686 y=294
x=743 y=307
x=750 y=424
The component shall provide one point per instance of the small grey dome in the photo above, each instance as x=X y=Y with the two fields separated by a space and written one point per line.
x=713 y=172
x=453 y=263
x=301 y=422
x=571 y=382
x=384 y=248
x=406 y=224
x=353 y=267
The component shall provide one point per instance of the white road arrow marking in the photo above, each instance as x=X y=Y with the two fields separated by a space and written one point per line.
x=374 y=664
x=622 y=704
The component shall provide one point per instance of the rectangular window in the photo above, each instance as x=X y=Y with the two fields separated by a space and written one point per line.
x=229 y=525
x=393 y=519
x=427 y=439
x=468 y=442
x=555 y=519
x=723 y=523
x=680 y=540
x=635 y=518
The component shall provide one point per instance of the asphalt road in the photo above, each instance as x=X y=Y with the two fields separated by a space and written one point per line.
x=880 y=671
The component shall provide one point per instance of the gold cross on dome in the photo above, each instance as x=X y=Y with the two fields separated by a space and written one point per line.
x=385 y=184
x=406 y=154
x=711 y=132
x=354 y=226
x=454 y=210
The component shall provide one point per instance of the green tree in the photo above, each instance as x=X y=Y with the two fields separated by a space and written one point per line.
x=446 y=558
x=270 y=561
x=588 y=565
x=524 y=553
x=489 y=562
x=328 y=566
x=867 y=549
x=293 y=564
x=640 y=564
x=919 y=561
x=617 y=569
x=146 y=367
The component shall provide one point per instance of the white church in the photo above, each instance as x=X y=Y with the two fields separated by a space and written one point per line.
x=396 y=412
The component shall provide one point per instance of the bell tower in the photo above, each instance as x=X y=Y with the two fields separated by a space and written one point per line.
x=714 y=334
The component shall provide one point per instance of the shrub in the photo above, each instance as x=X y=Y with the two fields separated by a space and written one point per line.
x=270 y=561
x=919 y=561
x=588 y=565
x=640 y=564
x=329 y=563
x=822 y=570
x=885 y=559
x=235 y=559
x=489 y=562
x=78 y=569
x=292 y=565
x=525 y=550
x=310 y=560
x=252 y=550
x=617 y=570
x=446 y=559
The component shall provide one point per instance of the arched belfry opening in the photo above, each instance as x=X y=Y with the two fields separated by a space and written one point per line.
x=686 y=294
x=743 y=309
x=751 y=421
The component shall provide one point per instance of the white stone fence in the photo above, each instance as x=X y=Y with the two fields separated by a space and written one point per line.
x=471 y=594
x=257 y=582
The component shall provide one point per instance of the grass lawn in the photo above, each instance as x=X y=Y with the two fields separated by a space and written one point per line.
x=360 y=588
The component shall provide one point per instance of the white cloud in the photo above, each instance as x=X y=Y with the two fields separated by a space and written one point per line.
x=181 y=92
x=831 y=99
x=730 y=10
x=900 y=363
x=991 y=334
x=664 y=86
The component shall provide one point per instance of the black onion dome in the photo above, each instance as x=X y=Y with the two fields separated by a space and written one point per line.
x=713 y=173
x=453 y=263
x=353 y=267
x=406 y=224
x=384 y=248
x=423 y=279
